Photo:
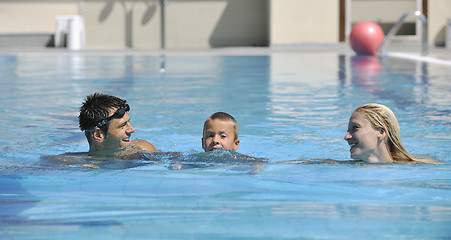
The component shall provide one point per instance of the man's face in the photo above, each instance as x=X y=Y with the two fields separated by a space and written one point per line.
x=219 y=134
x=118 y=132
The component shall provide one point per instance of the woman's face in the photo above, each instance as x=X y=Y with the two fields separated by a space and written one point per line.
x=364 y=140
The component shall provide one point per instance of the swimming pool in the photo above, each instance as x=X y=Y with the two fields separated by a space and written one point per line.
x=289 y=106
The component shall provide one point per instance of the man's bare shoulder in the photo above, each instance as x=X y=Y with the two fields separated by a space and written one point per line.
x=144 y=145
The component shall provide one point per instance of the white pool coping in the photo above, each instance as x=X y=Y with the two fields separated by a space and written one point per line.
x=437 y=55
x=419 y=58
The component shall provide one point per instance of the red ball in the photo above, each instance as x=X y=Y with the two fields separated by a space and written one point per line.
x=366 y=37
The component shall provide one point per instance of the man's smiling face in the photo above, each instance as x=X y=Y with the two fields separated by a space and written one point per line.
x=118 y=133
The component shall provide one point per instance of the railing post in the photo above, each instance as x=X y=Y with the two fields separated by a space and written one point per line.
x=395 y=28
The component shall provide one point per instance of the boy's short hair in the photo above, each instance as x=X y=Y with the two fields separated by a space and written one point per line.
x=225 y=117
x=96 y=107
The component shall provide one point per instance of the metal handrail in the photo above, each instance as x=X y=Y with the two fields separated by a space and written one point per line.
x=395 y=28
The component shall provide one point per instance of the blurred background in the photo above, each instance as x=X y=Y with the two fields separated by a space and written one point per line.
x=204 y=24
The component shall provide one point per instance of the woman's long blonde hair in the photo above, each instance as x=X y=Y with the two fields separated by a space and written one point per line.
x=382 y=118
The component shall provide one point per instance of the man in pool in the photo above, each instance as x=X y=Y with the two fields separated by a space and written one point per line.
x=106 y=124
x=220 y=131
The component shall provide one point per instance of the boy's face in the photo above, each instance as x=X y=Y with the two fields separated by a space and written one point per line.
x=219 y=134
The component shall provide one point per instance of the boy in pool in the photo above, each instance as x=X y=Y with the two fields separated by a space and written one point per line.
x=106 y=124
x=220 y=131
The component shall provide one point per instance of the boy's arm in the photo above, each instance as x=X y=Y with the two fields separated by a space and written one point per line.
x=145 y=145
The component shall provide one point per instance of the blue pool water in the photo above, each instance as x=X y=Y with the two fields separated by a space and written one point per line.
x=290 y=106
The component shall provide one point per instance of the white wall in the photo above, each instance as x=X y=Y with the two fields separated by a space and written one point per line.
x=216 y=23
x=188 y=23
x=121 y=24
x=32 y=16
x=381 y=11
x=303 y=21
x=438 y=13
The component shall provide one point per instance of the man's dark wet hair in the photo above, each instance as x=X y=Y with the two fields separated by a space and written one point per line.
x=96 y=108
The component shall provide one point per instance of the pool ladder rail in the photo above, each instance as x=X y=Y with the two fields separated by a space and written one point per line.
x=395 y=28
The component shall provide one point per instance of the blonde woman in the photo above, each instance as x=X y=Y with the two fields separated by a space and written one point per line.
x=373 y=135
